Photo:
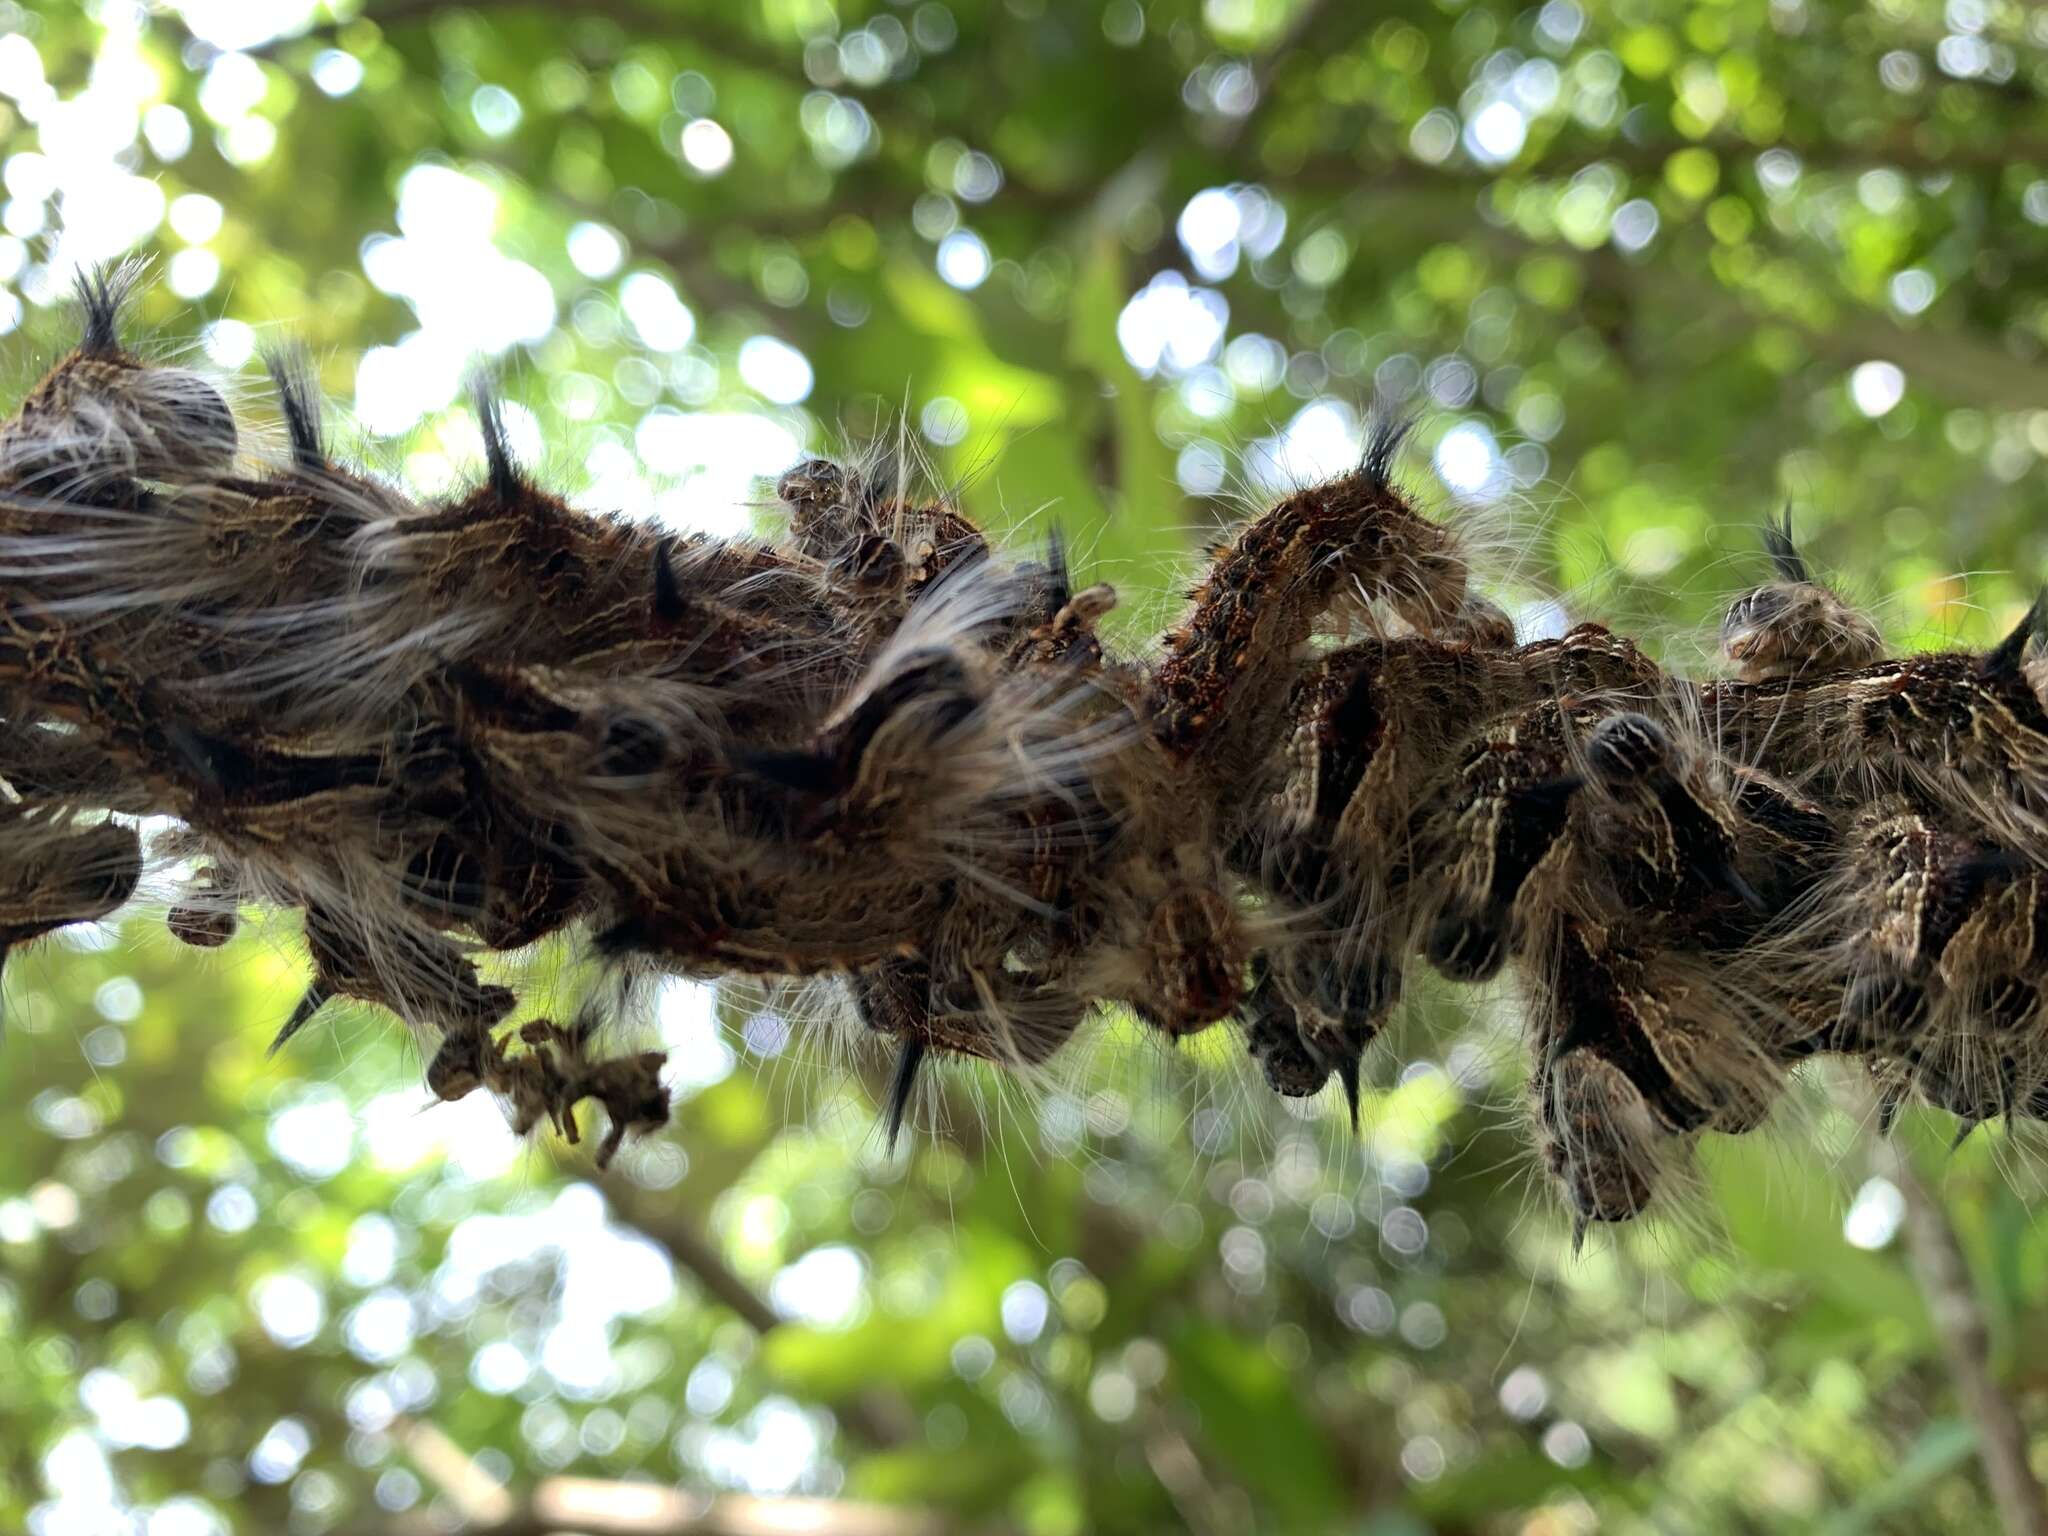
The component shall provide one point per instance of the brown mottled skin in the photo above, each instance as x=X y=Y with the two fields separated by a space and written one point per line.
x=1265 y=592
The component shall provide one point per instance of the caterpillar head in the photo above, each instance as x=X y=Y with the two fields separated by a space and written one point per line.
x=59 y=874
x=1795 y=623
x=103 y=418
x=1273 y=1037
x=1194 y=958
x=1625 y=749
x=1597 y=1139
x=1480 y=623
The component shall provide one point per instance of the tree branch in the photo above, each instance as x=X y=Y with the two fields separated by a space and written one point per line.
x=582 y=1506
x=1179 y=1470
x=700 y=29
x=463 y=1482
x=637 y=1509
x=692 y=1251
x=879 y=1416
x=1944 y=1276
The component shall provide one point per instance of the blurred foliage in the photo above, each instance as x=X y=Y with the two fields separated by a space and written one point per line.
x=1646 y=270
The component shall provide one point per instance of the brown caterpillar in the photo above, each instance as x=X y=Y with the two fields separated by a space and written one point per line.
x=875 y=753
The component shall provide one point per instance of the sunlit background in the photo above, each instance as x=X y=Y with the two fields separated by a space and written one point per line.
x=1644 y=273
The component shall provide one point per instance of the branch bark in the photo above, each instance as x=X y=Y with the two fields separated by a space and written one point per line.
x=1944 y=1277
x=476 y=1496
x=691 y=1250
x=581 y=1506
x=877 y=1415
x=1179 y=1470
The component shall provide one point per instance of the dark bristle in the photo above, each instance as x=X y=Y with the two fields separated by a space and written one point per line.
x=2004 y=659
x=1383 y=440
x=503 y=476
x=1581 y=1224
x=310 y=1002
x=669 y=604
x=102 y=294
x=298 y=401
x=1785 y=557
x=1059 y=580
x=903 y=1085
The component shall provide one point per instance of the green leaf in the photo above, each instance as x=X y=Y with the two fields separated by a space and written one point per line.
x=1252 y=1421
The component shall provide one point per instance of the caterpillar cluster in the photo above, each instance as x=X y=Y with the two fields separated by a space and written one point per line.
x=877 y=753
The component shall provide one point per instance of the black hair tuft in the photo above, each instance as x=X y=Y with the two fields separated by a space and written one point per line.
x=298 y=401
x=310 y=1002
x=103 y=292
x=2003 y=660
x=1385 y=433
x=669 y=603
x=903 y=1085
x=506 y=482
x=1785 y=557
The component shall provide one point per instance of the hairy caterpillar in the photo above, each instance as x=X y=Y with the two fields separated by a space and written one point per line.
x=878 y=754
